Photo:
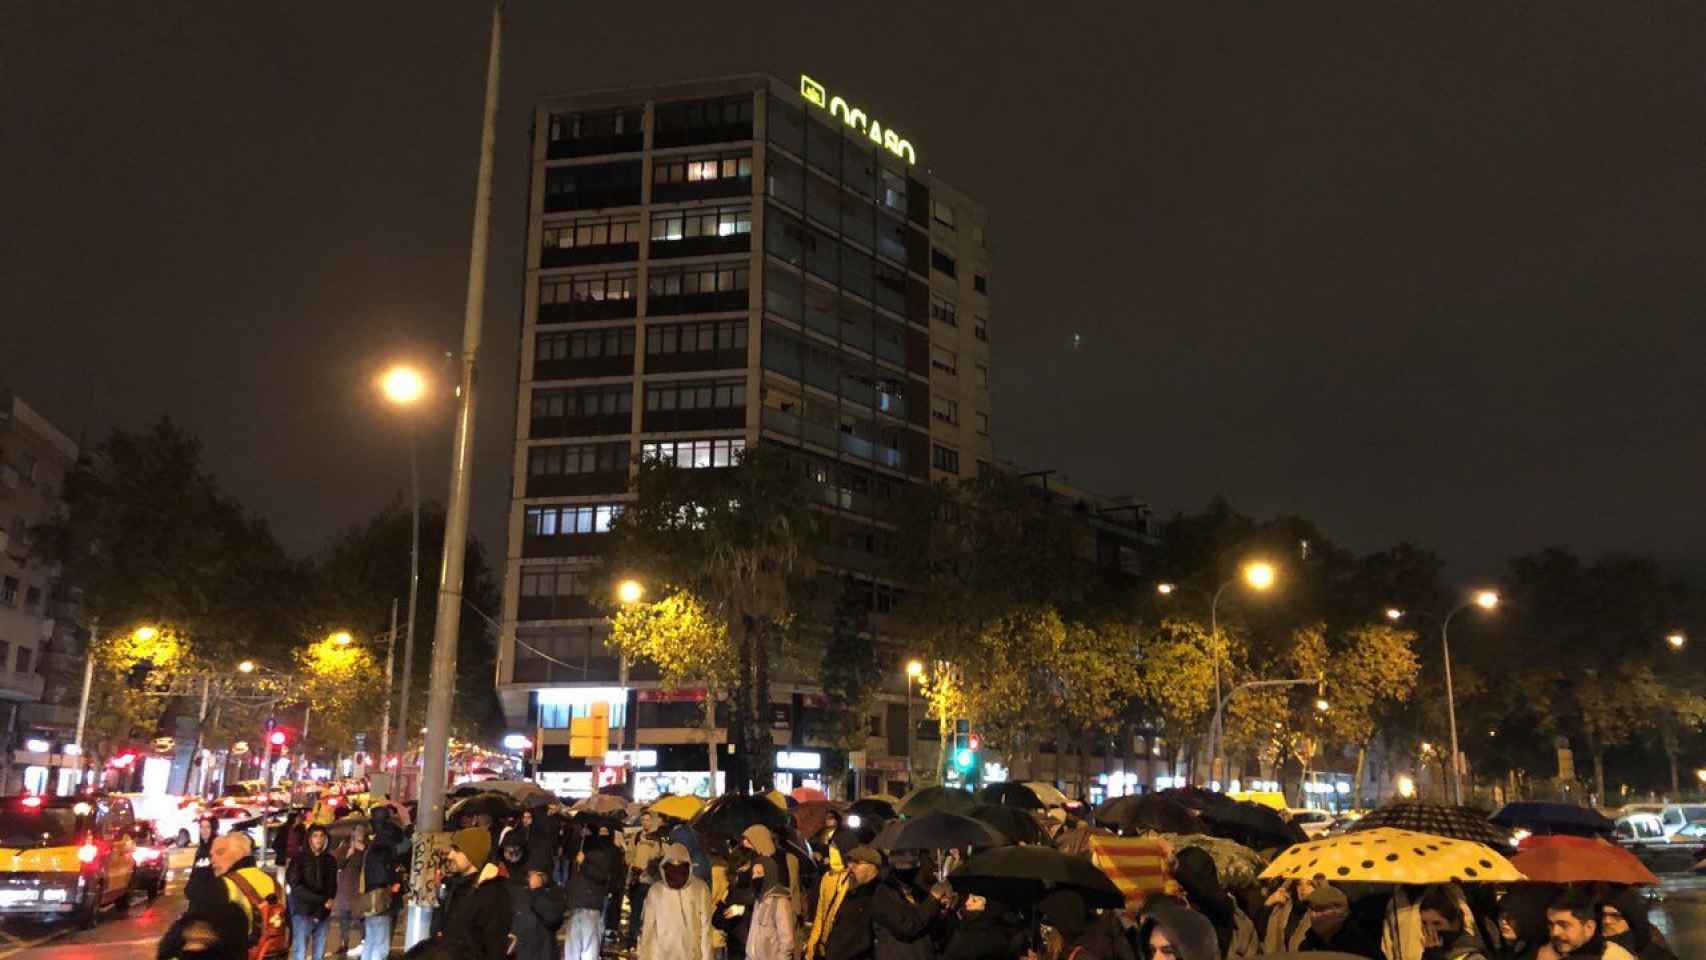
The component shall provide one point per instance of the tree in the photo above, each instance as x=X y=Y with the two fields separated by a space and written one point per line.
x=1371 y=672
x=339 y=680
x=1175 y=676
x=741 y=541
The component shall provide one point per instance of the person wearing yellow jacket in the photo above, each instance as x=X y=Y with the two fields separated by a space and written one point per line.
x=830 y=892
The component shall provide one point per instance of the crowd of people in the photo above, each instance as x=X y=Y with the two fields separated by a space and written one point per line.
x=547 y=884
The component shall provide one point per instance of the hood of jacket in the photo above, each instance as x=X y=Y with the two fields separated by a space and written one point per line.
x=1190 y=932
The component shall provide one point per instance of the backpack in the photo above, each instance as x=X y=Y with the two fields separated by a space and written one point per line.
x=269 y=934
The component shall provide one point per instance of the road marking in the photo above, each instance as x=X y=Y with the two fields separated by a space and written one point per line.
x=33 y=944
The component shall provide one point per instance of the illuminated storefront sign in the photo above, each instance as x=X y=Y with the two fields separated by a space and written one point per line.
x=798 y=760
x=854 y=117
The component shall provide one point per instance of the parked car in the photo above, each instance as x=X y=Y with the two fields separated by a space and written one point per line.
x=1643 y=835
x=149 y=876
x=1313 y=823
x=174 y=817
x=1675 y=816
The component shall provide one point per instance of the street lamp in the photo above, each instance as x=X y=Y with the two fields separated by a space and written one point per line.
x=630 y=592
x=1676 y=639
x=1486 y=600
x=1164 y=588
x=1322 y=705
x=404 y=386
x=247 y=666
x=914 y=670
x=146 y=633
x=342 y=638
x=1394 y=614
x=1257 y=575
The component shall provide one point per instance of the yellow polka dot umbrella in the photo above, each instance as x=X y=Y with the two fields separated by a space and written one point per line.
x=1387 y=855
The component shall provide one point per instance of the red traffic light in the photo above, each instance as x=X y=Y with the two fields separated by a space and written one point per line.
x=974 y=742
x=277 y=738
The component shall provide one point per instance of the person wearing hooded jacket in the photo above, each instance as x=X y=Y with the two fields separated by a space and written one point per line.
x=676 y=921
x=596 y=876
x=476 y=902
x=312 y=879
x=1623 y=921
x=762 y=843
x=903 y=915
x=1195 y=871
x=1171 y=931
x=771 y=935
x=201 y=868
x=732 y=915
x=1082 y=936
x=537 y=907
x=980 y=933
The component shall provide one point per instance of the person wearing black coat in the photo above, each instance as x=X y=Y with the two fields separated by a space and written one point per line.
x=979 y=933
x=733 y=915
x=1623 y=921
x=313 y=881
x=544 y=834
x=477 y=910
x=902 y=915
x=201 y=869
x=537 y=909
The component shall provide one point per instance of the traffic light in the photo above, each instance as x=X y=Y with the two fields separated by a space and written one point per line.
x=966 y=747
x=278 y=738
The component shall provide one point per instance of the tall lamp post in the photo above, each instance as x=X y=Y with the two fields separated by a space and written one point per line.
x=404 y=386
x=1486 y=600
x=1258 y=575
x=914 y=670
x=446 y=622
x=1220 y=704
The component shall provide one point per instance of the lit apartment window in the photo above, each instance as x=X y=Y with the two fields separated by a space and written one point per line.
x=982 y=424
x=714 y=222
x=943 y=311
x=695 y=454
x=571 y=520
x=594 y=232
x=942 y=262
x=583 y=288
x=944 y=360
x=698 y=169
x=943 y=458
x=943 y=213
x=944 y=409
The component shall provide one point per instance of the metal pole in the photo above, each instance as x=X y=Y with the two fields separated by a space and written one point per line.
x=302 y=745
x=390 y=678
x=266 y=801
x=1451 y=705
x=1214 y=660
x=911 y=731
x=447 y=619
x=200 y=730
x=409 y=628
x=88 y=683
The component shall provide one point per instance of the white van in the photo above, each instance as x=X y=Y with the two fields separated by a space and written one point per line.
x=1675 y=816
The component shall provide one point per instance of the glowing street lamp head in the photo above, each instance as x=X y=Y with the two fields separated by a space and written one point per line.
x=630 y=591
x=146 y=633
x=247 y=666
x=1394 y=614
x=1164 y=588
x=914 y=668
x=342 y=638
x=402 y=385
x=1676 y=639
x=1486 y=599
x=1321 y=704
x=1260 y=575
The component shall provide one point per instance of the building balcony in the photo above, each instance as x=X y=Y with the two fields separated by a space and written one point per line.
x=587 y=311
x=696 y=360
x=580 y=256
x=716 y=301
x=700 y=246
x=667 y=137
x=577 y=484
x=576 y=368
x=593 y=199
x=564 y=545
x=20 y=686
x=701 y=190
x=47 y=715
x=592 y=426
x=595 y=146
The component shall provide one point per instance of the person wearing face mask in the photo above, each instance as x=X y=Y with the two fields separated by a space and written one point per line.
x=771 y=934
x=982 y=933
x=597 y=875
x=733 y=913
x=1623 y=921
x=676 y=921
x=903 y=912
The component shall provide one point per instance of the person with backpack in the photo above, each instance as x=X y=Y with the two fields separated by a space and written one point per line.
x=312 y=881
x=252 y=890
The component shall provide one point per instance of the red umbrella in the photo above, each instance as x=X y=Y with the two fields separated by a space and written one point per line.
x=1566 y=859
x=808 y=794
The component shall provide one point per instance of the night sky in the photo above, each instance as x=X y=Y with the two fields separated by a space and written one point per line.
x=1412 y=270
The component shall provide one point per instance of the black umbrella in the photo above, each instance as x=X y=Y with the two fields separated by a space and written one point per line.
x=497 y=806
x=727 y=817
x=938 y=831
x=1153 y=812
x=1547 y=818
x=936 y=799
x=1441 y=820
x=872 y=808
x=1251 y=824
x=1197 y=798
x=1018 y=826
x=1012 y=795
x=1020 y=876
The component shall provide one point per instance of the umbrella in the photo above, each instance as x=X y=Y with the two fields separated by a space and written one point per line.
x=680 y=806
x=1237 y=865
x=872 y=808
x=494 y=805
x=1076 y=840
x=934 y=799
x=602 y=804
x=1565 y=859
x=1018 y=876
x=1134 y=814
x=524 y=792
x=1458 y=823
x=887 y=798
x=1018 y=826
x=1386 y=855
x=808 y=794
x=1554 y=818
x=728 y=816
x=780 y=801
x=938 y=831
x=1251 y=824
x=1197 y=798
x=1011 y=795
x=810 y=816
x=1048 y=793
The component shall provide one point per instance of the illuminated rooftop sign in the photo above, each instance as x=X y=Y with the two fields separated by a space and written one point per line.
x=854 y=117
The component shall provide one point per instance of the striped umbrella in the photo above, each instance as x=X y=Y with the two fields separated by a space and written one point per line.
x=1441 y=820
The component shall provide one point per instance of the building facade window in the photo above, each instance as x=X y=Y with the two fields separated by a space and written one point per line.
x=26 y=660
x=941 y=262
x=698 y=169
x=9 y=591
x=32 y=598
x=563 y=460
x=944 y=360
x=943 y=311
x=711 y=222
x=587 y=287
x=709 y=278
x=980 y=283
x=945 y=409
x=944 y=458
x=983 y=375
x=595 y=124
x=582 y=401
x=567 y=521
x=695 y=454
x=696 y=395
x=980 y=328
x=586 y=344
x=982 y=424
x=942 y=213
x=696 y=337
x=554 y=582
x=591 y=232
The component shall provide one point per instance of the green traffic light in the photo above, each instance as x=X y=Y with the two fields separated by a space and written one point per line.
x=965 y=759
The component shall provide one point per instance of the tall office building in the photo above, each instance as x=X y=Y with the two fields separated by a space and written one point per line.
x=713 y=265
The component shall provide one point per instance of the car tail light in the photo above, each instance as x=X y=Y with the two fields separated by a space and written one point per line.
x=88 y=852
x=31 y=802
x=142 y=855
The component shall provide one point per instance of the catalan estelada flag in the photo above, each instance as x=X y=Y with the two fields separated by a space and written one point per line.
x=1137 y=865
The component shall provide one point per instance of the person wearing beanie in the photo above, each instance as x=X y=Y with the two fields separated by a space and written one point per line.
x=676 y=921
x=476 y=898
x=771 y=936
